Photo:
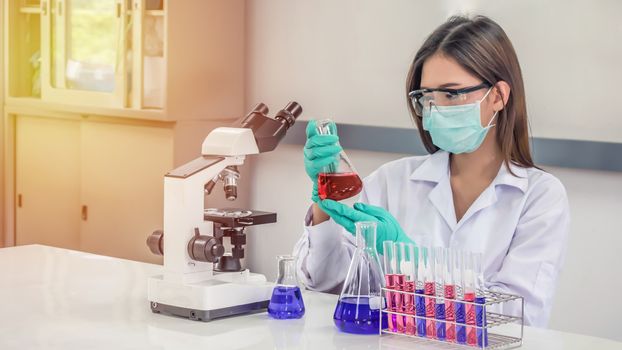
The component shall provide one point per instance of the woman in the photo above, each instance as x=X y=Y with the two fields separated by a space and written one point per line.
x=478 y=190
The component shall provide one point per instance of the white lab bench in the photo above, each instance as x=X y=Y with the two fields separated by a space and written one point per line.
x=54 y=298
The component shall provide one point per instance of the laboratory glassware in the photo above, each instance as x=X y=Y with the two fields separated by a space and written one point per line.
x=459 y=275
x=480 y=311
x=286 y=301
x=410 y=270
x=429 y=289
x=389 y=276
x=338 y=180
x=420 y=290
x=469 y=296
x=440 y=256
x=359 y=307
x=450 y=294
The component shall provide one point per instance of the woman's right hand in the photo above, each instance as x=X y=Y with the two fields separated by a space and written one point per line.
x=319 y=151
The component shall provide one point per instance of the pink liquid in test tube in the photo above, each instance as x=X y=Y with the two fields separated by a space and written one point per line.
x=400 y=280
x=390 y=283
x=451 y=275
x=399 y=302
x=394 y=281
x=410 y=270
x=409 y=307
x=470 y=318
x=450 y=313
x=429 y=309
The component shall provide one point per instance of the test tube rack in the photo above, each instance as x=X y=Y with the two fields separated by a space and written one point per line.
x=491 y=320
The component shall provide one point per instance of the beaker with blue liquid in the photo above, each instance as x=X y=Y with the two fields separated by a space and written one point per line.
x=359 y=307
x=286 y=301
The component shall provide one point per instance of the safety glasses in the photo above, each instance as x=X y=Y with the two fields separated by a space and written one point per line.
x=423 y=98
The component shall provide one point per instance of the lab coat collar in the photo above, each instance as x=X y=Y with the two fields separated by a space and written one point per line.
x=436 y=168
x=433 y=169
x=518 y=180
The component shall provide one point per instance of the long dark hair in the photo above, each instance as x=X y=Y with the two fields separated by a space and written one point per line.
x=481 y=47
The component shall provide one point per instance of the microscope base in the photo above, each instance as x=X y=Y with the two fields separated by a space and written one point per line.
x=222 y=295
x=208 y=315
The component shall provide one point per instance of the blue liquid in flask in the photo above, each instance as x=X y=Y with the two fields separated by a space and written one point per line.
x=354 y=315
x=286 y=303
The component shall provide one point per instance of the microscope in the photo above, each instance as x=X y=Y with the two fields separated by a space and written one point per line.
x=201 y=280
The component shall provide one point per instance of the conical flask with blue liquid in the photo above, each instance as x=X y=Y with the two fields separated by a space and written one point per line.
x=360 y=303
x=286 y=301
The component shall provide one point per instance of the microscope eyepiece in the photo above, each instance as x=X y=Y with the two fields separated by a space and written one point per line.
x=260 y=108
x=289 y=114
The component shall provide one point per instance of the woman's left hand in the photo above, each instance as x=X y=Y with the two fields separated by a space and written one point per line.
x=387 y=229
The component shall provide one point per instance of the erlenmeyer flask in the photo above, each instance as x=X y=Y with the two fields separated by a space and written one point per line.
x=360 y=302
x=286 y=301
x=338 y=180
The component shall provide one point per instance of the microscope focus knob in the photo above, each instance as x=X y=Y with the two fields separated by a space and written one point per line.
x=155 y=242
x=218 y=250
x=205 y=248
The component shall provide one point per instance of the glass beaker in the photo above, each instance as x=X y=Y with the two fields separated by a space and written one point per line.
x=360 y=302
x=286 y=301
x=338 y=180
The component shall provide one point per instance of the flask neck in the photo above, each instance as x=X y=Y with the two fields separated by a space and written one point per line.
x=366 y=236
x=326 y=127
x=287 y=271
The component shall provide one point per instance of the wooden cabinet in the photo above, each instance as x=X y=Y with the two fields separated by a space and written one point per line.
x=91 y=186
x=47 y=182
x=122 y=172
x=149 y=59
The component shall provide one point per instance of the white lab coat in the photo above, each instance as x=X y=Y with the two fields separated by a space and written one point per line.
x=520 y=224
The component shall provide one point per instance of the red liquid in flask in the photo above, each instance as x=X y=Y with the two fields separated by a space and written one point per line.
x=338 y=186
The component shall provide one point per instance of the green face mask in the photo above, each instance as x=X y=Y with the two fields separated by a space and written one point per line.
x=456 y=129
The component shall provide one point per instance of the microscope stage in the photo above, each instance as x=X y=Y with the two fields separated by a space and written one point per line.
x=234 y=217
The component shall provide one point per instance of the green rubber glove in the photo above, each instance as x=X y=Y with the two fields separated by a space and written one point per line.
x=387 y=229
x=319 y=151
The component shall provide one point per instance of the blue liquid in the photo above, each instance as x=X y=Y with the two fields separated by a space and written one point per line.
x=420 y=310
x=353 y=315
x=440 y=326
x=460 y=318
x=286 y=302
x=479 y=321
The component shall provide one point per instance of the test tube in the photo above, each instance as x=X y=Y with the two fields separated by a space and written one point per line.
x=450 y=295
x=480 y=311
x=428 y=287
x=400 y=278
x=440 y=255
x=458 y=272
x=410 y=270
x=419 y=291
x=389 y=275
x=469 y=297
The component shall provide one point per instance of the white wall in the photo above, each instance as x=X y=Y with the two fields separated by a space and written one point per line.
x=588 y=297
x=332 y=55
x=348 y=60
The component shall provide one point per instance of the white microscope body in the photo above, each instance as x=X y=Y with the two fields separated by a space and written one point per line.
x=190 y=286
